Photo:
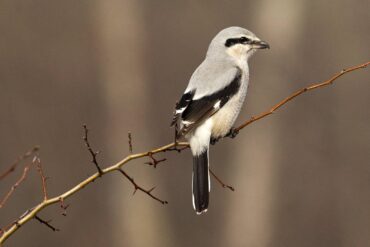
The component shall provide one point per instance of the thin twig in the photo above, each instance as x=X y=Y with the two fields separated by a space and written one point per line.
x=19 y=159
x=138 y=187
x=220 y=181
x=129 y=142
x=93 y=154
x=14 y=187
x=46 y=223
x=30 y=214
x=42 y=177
x=154 y=162
x=63 y=207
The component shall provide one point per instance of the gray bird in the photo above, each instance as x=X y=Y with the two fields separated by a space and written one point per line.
x=212 y=101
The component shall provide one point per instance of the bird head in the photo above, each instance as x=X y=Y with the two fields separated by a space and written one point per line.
x=237 y=43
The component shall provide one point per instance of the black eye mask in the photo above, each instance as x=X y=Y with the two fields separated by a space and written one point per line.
x=234 y=41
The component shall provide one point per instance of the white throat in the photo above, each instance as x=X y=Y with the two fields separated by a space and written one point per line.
x=239 y=56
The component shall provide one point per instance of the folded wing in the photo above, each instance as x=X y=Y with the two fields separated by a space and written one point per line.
x=192 y=110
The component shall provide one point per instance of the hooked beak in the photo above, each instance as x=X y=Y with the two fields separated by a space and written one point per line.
x=259 y=44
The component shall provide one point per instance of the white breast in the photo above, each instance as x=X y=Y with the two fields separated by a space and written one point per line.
x=224 y=119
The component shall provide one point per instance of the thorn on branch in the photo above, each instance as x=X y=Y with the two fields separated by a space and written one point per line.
x=93 y=154
x=154 y=162
x=220 y=181
x=46 y=223
x=138 y=187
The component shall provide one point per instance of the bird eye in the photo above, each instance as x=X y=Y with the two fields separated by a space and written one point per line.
x=234 y=41
x=244 y=40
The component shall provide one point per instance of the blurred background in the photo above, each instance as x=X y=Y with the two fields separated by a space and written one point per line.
x=302 y=176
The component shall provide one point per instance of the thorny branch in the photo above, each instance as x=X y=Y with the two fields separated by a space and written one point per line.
x=153 y=161
x=31 y=213
x=93 y=153
x=138 y=187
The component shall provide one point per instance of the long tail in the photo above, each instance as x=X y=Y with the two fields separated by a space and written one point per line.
x=201 y=183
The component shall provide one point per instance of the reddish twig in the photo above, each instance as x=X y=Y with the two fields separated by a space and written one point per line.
x=42 y=176
x=93 y=154
x=19 y=159
x=14 y=187
x=220 y=181
x=46 y=223
x=138 y=187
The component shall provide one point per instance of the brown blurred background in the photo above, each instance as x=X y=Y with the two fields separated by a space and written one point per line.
x=302 y=176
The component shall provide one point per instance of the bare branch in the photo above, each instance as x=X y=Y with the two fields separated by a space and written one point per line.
x=31 y=213
x=138 y=187
x=93 y=154
x=46 y=223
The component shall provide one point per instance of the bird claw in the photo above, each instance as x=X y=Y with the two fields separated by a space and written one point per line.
x=213 y=140
x=233 y=133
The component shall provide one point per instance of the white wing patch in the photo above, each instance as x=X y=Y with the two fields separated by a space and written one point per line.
x=181 y=110
x=217 y=105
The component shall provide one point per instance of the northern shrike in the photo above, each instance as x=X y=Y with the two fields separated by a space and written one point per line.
x=213 y=99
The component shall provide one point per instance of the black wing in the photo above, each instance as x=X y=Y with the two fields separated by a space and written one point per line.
x=182 y=105
x=193 y=112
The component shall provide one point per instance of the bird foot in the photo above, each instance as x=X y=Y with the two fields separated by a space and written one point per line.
x=214 y=140
x=233 y=133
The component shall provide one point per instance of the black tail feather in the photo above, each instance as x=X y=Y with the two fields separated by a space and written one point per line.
x=200 y=182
